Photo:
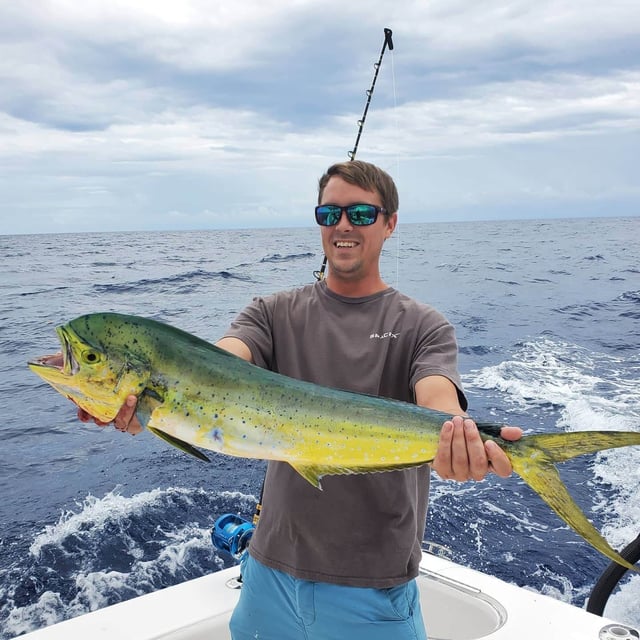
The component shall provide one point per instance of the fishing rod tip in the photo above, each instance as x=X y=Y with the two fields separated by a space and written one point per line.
x=388 y=39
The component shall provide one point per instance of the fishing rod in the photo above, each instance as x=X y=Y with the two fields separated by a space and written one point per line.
x=388 y=42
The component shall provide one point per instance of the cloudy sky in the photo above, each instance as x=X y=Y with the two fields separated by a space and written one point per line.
x=204 y=114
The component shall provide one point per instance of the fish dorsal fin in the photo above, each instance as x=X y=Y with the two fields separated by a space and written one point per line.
x=313 y=473
x=179 y=444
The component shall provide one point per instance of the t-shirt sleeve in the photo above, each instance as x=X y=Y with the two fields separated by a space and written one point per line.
x=436 y=353
x=253 y=326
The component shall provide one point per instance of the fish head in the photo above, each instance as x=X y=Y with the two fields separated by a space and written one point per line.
x=96 y=368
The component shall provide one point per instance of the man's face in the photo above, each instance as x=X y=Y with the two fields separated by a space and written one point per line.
x=353 y=251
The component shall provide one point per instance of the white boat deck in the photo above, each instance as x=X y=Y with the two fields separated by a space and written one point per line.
x=458 y=604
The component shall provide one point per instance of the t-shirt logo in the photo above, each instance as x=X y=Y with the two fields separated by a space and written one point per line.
x=383 y=336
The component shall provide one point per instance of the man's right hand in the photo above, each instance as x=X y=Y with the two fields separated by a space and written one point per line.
x=125 y=420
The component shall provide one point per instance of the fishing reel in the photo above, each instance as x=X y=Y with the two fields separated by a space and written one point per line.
x=232 y=534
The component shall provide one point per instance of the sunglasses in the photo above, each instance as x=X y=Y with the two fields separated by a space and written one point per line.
x=360 y=215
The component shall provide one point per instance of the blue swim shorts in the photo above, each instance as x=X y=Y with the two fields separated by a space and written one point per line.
x=276 y=606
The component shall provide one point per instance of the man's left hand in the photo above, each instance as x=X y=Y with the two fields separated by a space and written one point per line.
x=463 y=455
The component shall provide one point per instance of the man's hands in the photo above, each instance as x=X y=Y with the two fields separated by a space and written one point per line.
x=462 y=455
x=125 y=420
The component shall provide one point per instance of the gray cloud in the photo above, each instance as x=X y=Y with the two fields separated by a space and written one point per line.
x=213 y=114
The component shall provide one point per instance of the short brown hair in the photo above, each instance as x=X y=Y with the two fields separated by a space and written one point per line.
x=366 y=176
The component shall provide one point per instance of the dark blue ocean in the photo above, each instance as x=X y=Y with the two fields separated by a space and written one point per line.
x=548 y=320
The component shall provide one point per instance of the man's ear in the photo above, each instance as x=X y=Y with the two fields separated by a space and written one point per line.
x=391 y=222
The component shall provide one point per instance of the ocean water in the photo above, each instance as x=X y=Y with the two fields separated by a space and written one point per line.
x=548 y=320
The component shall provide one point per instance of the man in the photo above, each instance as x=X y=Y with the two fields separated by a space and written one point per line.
x=340 y=563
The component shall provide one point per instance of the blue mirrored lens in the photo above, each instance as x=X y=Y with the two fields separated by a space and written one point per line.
x=362 y=214
x=328 y=215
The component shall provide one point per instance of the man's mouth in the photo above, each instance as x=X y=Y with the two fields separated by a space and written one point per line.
x=345 y=244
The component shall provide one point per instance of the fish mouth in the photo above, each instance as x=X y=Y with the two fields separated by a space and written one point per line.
x=63 y=362
x=53 y=361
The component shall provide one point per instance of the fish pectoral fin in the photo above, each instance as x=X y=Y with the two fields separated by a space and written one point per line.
x=313 y=473
x=148 y=401
x=542 y=476
x=179 y=444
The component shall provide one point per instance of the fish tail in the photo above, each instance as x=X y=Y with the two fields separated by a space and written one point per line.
x=535 y=464
x=564 y=446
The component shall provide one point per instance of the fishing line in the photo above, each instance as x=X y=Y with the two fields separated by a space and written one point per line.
x=388 y=42
x=396 y=129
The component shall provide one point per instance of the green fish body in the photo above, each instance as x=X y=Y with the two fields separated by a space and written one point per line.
x=197 y=396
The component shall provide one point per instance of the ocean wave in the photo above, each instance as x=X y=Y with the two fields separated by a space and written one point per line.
x=115 y=548
x=453 y=267
x=558 y=586
x=178 y=283
x=38 y=292
x=276 y=257
x=474 y=324
x=582 y=310
x=476 y=350
x=553 y=372
x=587 y=390
x=632 y=296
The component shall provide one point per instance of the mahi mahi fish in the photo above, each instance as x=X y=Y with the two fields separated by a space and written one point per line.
x=195 y=395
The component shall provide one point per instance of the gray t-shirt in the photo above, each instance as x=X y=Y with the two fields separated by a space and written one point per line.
x=363 y=530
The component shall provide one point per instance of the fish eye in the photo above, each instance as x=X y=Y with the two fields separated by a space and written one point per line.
x=91 y=357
